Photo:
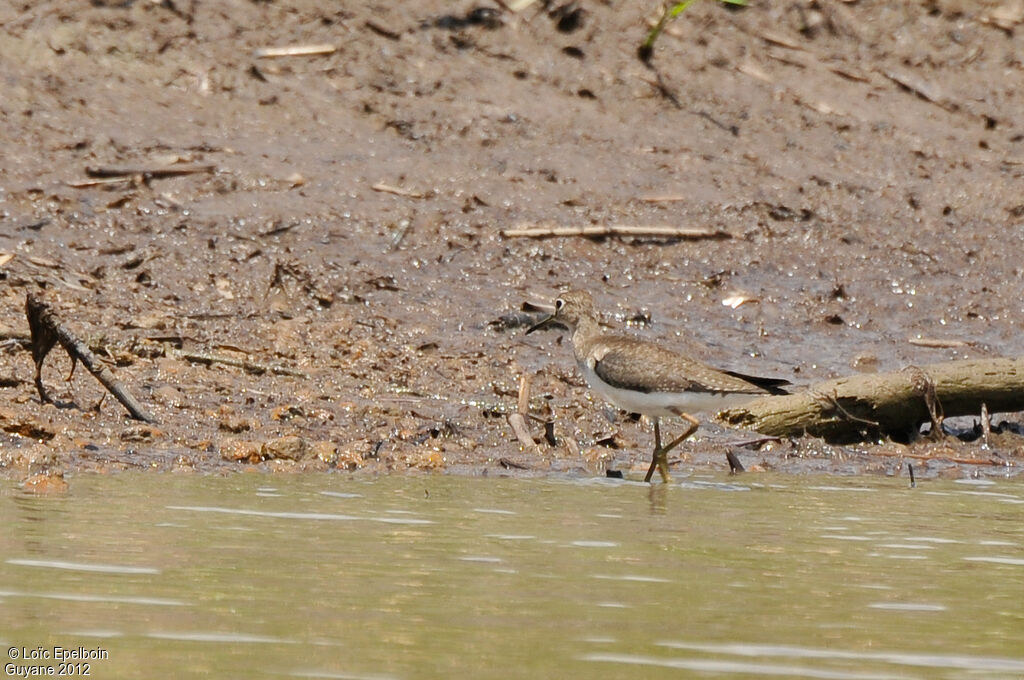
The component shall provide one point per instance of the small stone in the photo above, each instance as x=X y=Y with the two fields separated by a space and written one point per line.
x=169 y=395
x=287 y=412
x=288 y=338
x=325 y=451
x=865 y=363
x=140 y=433
x=291 y=447
x=352 y=456
x=46 y=484
x=234 y=424
x=155 y=321
x=241 y=450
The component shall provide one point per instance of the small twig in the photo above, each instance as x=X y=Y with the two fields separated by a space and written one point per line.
x=664 y=198
x=755 y=442
x=781 y=40
x=168 y=171
x=245 y=364
x=382 y=31
x=47 y=331
x=522 y=432
x=523 y=405
x=833 y=401
x=397 y=191
x=294 y=51
x=511 y=464
x=986 y=425
x=86 y=183
x=936 y=343
x=518 y=420
x=601 y=231
x=922 y=89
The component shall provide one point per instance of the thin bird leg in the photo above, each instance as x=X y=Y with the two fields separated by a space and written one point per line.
x=657 y=445
x=661 y=452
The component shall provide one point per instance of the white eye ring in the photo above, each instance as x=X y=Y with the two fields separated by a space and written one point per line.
x=559 y=303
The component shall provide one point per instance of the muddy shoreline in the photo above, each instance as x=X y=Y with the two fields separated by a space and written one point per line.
x=328 y=229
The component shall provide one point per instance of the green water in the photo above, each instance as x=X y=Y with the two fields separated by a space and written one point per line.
x=330 y=576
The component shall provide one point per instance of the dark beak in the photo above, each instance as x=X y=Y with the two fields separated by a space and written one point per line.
x=540 y=324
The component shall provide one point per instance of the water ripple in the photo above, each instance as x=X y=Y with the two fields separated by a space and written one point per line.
x=595 y=544
x=331 y=675
x=220 y=637
x=723 y=666
x=297 y=515
x=638 y=578
x=908 y=607
x=81 y=566
x=1015 y=561
x=115 y=599
x=960 y=661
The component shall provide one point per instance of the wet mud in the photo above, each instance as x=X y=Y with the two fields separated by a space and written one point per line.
x=304 y=262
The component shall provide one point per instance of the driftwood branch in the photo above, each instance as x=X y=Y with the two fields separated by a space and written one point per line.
x=47 y=331
x=891 y=404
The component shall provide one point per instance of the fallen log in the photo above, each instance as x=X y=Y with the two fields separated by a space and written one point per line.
x=895 y=405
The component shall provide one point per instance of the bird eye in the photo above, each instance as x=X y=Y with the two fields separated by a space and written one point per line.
x=559 y=303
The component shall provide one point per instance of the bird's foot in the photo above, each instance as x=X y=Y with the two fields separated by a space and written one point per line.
x=659 y=463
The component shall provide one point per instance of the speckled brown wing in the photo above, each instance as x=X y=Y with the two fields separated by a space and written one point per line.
x=631 y=364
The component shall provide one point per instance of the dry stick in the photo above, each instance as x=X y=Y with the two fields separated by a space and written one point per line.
x=938 y=343
x=245 y=364
x=397 y=191
x=47 y=331
x=664 y=198
x=600 y=231
x=163 y=171
x=518 y=420
x=986 y=425
x=523 y=405
x=84 y=184
x=382 y=30
x=294 y=51
x=891 y=403
x=922 y=89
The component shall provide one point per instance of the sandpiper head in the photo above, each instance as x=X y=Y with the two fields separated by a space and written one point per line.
x=570 y=308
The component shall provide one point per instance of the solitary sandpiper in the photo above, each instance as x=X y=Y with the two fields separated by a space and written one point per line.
x=643 y=377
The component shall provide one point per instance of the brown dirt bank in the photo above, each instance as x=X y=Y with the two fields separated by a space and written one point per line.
x=865 y=159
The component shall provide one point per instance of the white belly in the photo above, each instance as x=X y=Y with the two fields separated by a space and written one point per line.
x=662 y=404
